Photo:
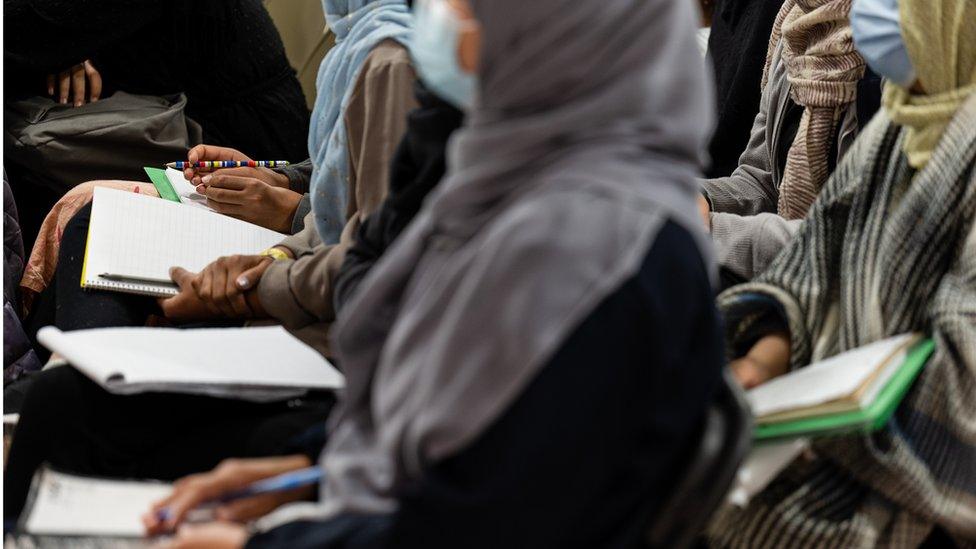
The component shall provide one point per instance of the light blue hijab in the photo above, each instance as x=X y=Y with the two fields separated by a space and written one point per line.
x=359 y=26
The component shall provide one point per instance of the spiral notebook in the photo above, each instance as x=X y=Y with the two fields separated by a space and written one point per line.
x=134 y=240
x=259 y=364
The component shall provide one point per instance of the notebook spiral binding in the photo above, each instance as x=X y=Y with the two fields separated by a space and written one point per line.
x=137 y=288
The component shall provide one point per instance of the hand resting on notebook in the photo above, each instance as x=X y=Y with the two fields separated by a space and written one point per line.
x=250 y=199
x=768 y=358
x=223 y=289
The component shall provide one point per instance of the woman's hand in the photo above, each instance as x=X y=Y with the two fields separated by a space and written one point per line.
x=214 y=153
x=227 y=283
x=186 y=306
x=768 y=358
x=250 y=199
x=231 y=475
x=213 y=535
x=74 y=82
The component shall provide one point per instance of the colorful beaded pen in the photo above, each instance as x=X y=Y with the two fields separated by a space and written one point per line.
x=181 y=165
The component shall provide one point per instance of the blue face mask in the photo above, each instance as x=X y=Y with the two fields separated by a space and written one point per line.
x=434 y=50
x=877 y=35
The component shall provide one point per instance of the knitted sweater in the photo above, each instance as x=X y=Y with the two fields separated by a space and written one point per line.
x=885 y=250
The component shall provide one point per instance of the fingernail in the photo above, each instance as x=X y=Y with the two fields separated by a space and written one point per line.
x=201 y=189
x=206 y=179
x=64 y=100
x=243 y=282
x=77 y=103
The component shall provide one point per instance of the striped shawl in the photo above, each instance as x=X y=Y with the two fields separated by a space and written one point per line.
x=824 y=68
x=884 y=250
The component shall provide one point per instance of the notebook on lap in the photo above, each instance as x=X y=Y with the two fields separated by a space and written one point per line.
x=856 y=391
x=258 y=364
x=134 y=240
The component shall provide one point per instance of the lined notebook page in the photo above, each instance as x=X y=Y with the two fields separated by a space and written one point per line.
x=142 y=237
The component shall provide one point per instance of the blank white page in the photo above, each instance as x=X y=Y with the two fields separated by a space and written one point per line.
x=140 y=236
x=831 y=379
x=267 y=357
x=187 y=192
x=67 y=505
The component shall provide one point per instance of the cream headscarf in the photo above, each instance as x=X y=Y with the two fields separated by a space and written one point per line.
x=940 y=36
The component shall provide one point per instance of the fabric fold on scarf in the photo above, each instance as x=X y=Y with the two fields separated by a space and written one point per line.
x=945 y=66
x=823 y=69
x=588 y=136
x=359 y=26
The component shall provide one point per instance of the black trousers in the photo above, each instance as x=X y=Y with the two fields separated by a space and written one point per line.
x=72 y=424
x=65 y=304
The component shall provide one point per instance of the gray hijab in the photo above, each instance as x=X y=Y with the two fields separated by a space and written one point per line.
x=587 y=136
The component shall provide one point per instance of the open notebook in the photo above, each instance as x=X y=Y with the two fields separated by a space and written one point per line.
x=854 y=390
x=134 y=239
x=259 y=364
x=68 y=505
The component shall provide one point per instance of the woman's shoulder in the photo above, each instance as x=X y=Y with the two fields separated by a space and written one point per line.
x=388 y=54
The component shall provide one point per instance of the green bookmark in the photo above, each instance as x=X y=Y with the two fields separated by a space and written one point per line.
x=162 y=184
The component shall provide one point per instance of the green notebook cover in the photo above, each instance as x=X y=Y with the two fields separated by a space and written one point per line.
x=874 y=417
x=162 y=184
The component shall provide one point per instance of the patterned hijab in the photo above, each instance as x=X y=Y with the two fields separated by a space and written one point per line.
x=823 y=69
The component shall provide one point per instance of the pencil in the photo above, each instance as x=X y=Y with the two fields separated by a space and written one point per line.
x=281 y=483
x=135 y=279
x=214 y=164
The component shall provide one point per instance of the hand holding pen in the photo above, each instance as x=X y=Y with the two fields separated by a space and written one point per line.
x=238 y=490
x=193 y=170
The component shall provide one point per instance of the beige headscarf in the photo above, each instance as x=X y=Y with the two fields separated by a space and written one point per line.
x=823 y=69
x=941 y=40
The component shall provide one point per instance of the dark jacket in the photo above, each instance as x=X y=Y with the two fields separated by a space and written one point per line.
x=18 y=355
x=418 y=167
x=737 y=46
x=225 y=55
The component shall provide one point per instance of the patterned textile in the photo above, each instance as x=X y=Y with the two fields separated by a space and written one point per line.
x=824 y=69
x=44 y=257
x=885 y=250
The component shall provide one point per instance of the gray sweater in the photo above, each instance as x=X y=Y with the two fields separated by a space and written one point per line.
x=745 y=228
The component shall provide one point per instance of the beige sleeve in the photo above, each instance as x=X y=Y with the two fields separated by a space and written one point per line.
x=376 y=118
x=299 y=292
x=304 y=241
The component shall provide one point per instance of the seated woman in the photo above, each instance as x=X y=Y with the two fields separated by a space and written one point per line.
x=528 y=364
x=889 y=247
x=108 y=436
x=366 y=93
x=226 y=56
x=815 y=97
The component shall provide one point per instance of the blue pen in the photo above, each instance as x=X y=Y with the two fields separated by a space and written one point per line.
x=281 y=483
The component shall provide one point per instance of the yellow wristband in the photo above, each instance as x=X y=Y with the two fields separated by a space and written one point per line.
x=275 y=253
